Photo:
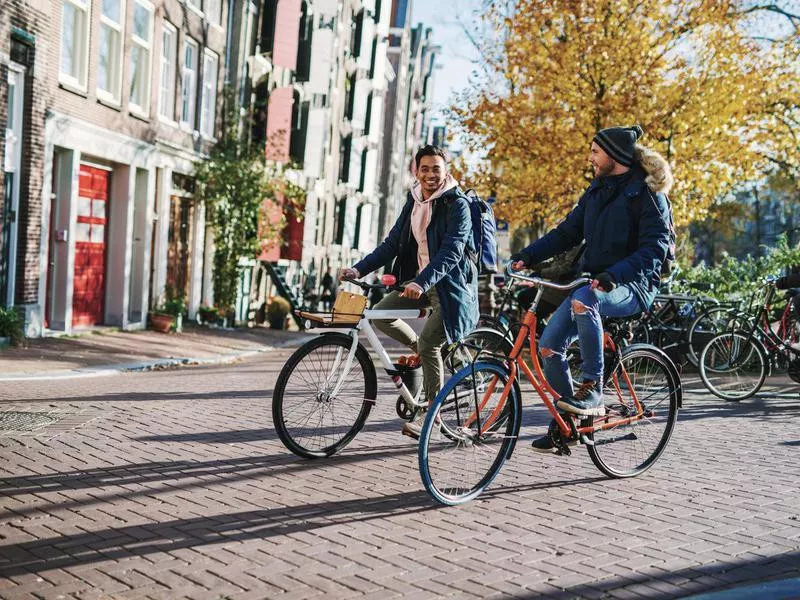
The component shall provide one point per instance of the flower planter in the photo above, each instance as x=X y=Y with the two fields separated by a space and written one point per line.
x=161 y=323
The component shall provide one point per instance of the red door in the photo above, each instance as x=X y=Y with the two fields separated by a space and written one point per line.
x=88 y=295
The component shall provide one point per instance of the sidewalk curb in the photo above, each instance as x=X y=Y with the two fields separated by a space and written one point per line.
x=144 y=366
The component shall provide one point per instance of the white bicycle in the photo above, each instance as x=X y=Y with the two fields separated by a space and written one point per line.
x=328 y=387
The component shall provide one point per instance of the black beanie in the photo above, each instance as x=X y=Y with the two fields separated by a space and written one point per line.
x=619 y=142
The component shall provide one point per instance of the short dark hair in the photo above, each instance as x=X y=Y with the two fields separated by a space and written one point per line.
x=430 y=151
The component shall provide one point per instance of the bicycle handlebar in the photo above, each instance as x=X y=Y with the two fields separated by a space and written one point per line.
x=538 y=281
x=373 y=286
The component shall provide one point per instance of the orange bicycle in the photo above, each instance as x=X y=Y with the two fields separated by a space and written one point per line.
x=472 y=426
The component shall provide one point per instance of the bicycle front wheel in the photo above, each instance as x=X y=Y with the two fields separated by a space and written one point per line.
x=319 y=404
x=629 y=438
x=733 y=366
x=461 y=449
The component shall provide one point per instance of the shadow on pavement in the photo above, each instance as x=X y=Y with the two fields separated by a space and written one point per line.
x=715 y=576
x=759 y=407
x=116 y=543
x=194 y=474
x=259 y=435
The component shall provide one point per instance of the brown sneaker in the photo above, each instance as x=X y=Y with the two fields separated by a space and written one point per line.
x=586 y=401
x=413 y=429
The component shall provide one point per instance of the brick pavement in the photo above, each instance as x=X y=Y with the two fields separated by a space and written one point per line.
x=172 y=484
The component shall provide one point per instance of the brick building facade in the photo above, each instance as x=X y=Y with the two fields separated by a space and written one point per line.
x=23 y=57
x=115 y=101
x=122 y=98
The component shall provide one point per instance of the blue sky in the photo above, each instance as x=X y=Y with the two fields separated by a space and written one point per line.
x=457 y=55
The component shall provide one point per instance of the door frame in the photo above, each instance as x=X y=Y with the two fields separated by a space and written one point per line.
x=13 y=165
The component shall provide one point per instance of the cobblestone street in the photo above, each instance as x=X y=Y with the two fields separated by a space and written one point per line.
x=173 y=484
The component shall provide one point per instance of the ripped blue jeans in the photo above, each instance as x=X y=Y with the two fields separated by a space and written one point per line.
x=571 y=321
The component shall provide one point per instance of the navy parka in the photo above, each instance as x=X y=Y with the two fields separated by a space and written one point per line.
x=606 y=225
x=450 y=270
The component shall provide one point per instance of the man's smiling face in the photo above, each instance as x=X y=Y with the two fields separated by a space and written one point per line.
x=431 y=173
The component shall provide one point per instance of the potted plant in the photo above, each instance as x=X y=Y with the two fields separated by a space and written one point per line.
x=168 y=314
x=277 y=311
x=161 y=320
x=209 y=315
x=11 y=331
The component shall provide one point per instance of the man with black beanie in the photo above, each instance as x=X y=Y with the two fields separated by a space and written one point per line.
x=624 y=251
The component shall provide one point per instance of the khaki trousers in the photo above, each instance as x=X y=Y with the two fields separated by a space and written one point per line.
x=429 y=342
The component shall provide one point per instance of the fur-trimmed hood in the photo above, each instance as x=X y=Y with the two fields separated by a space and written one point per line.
x=659 y=174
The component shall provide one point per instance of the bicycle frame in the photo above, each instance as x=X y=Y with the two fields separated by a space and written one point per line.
x=364 y=326
x=539 y=382
x=761 y=326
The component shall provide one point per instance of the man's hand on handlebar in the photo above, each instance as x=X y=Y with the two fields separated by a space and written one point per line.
x=412 y=290
x=604 y=282
x=518 y=265
x=348 y=273
x=519 y=261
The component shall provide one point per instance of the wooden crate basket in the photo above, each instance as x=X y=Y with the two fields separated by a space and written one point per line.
x=347 y=310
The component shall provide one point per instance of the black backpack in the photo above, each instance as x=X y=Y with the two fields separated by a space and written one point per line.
x=633 y=242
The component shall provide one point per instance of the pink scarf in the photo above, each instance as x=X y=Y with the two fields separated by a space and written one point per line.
x=421 y=217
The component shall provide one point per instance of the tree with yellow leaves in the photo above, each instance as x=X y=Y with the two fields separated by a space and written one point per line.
x=716 y=94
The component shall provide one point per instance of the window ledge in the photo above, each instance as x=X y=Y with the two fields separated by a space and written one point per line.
x=74 y=88
x=109 y=102
x=138 y=113
x=193 y=8
x=168 y=121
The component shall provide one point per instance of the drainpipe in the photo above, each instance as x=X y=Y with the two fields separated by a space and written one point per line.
x=228 y=42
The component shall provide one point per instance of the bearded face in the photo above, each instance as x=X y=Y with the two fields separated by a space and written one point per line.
x=602 y=163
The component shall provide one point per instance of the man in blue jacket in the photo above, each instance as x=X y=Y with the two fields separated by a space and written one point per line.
x=624 y=218
x=429 y=247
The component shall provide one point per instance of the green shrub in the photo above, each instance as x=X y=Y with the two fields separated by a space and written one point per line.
x=11 y=326
x=736 y=279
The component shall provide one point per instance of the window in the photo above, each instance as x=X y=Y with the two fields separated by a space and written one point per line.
x=74 y=42
x=141 y=39
x=109 y=66
x=357 y=32
x=208 y=106
x=214 y=11
x=166 y=94
x=189 y=79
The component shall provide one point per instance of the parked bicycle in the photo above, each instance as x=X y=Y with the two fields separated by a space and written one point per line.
x=473 y=425
x=327 y=388
x=672 y=324
x=735 y=363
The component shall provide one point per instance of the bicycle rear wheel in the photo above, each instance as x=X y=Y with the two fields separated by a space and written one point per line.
x=706 y=325
x=733 y=365
x=312 y=418
x=460 y=450
x=626 y=449
x=490 y=343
